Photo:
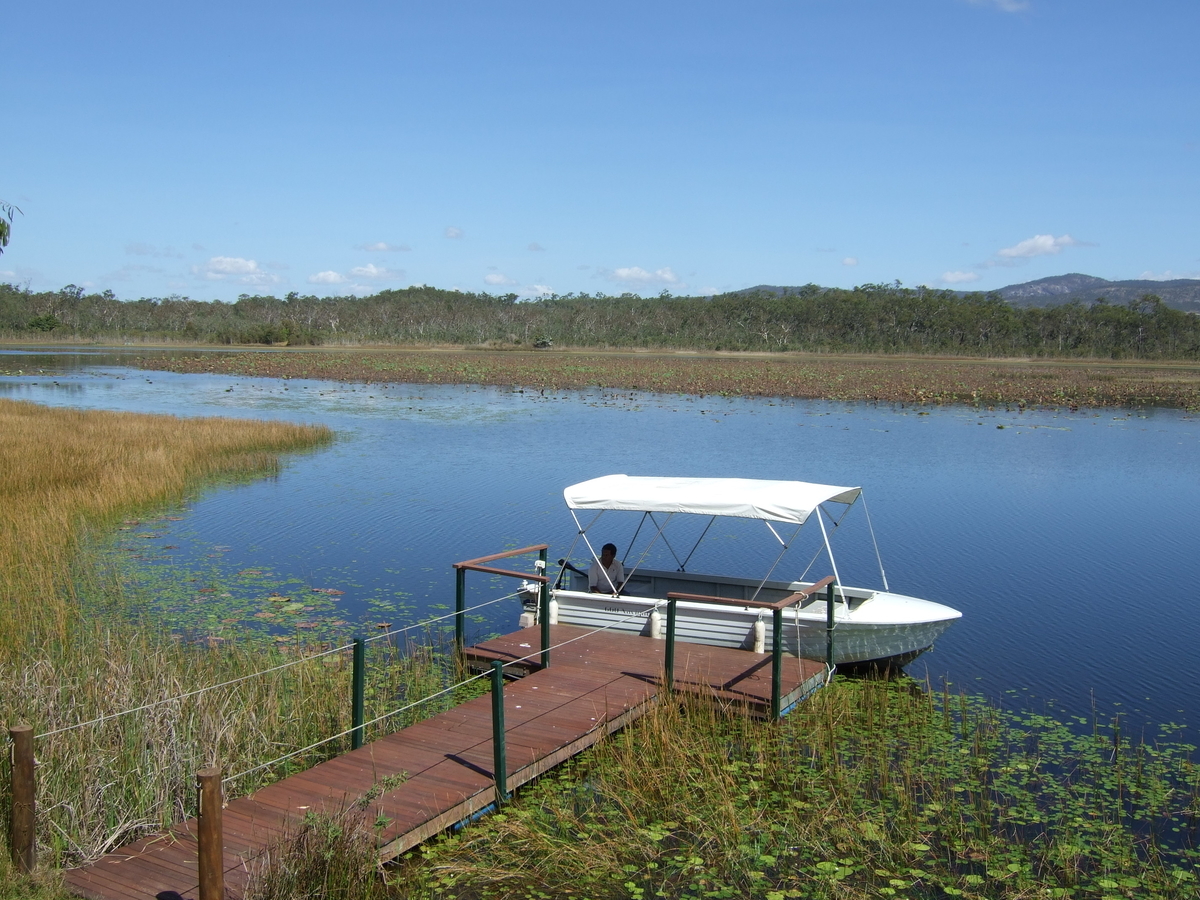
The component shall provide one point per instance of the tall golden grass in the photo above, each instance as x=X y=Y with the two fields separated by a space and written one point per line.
x=66 y=471
x=65 y=475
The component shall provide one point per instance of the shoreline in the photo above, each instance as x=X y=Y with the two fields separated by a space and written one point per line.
x=1024 y=383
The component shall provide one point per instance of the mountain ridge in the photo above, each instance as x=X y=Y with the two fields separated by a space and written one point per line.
x=1179 y=293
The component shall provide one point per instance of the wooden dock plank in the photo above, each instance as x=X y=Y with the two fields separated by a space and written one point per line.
x=594 y=686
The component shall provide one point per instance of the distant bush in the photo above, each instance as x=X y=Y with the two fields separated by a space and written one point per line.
x=866 y=319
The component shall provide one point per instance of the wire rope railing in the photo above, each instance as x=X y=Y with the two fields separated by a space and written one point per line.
x=22 y=831
x=308 y=657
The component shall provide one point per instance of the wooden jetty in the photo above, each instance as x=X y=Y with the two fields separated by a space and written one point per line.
x=595 y=685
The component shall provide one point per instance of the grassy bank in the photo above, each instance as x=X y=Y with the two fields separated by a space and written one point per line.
x=986 y=382
x=871 y=789
x=65 y=476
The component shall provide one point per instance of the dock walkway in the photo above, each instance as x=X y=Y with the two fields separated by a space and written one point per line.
x=593 y=686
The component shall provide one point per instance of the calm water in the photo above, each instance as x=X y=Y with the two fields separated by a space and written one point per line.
x=1068 y=540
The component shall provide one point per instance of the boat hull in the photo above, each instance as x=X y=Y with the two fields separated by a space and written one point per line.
x=885 y=628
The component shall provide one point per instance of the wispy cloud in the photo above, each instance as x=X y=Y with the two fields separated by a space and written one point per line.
x=497 y=278
x=637 y=276
x=536 y=247
x=850 y=261
x=453 y=232
x=235 y=269
x=959 y=277
x=385 y=247
x=1038 y=245
x=327 y=277
x=373 y=272
x=130 y=271
x=1168 y=275
x=136 y=248
x=1008 y=6
x=536 y=290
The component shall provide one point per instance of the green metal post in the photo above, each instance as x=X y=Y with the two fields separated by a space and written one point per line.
x=460 y=606
x=358 y=691
x=499 y=762
x=829 y=625
x=669 y=668
x=776 y=661
x=544 y=613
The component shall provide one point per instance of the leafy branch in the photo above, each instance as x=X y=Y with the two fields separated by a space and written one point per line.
x=6 y=216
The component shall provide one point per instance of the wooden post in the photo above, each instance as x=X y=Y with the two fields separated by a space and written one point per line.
x=669 y=662
x=22 y=832
x=460 y=606
x=210 y=858
x=776 y=663
x=358 y=690
x=499 y=755
x=829 y=624
x=544 y=611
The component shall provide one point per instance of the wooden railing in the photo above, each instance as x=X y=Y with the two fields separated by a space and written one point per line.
x=777 y=607
x=478 y=565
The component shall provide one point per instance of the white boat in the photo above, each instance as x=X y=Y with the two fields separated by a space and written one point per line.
x=869 y=625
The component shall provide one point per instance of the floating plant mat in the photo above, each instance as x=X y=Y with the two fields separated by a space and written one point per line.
x=170 y=575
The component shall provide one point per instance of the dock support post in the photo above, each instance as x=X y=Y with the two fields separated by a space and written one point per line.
x=358 y=691
x=22 y=833
x=776 y=662
x=210 y=858
x=829 y=626
x=544 y=612
x=499 y=757
x=669 y=666
x=460 y=607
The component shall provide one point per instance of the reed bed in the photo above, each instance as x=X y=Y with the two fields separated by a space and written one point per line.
x=65 y=477
x=64 y=472
x=1019 y=383
x=869 y=789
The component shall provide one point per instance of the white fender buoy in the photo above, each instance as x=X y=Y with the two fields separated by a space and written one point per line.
x=656 y=625
x=760 y=636
x=553 y=611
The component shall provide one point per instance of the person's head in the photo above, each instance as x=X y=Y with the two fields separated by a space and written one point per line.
x=608 y=553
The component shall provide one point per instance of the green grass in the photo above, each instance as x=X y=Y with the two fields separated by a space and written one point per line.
x=870 y=789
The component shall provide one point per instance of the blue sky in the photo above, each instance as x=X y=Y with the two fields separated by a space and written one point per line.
x=222 y=148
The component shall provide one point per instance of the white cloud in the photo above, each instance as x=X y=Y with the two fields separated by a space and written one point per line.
x=384 y=247
x=959 y=277
x=235 y=269
x=636 y=275
x=536 y=290
x=496 y=278
x=1168 y=275
x=7 y=273
x=535 y=246
x=376 y=273
x=327 y=277
x=850 y=261
x=1008 y=6
x=1038 y=245
x=137 y=248
x=453 y=232
x=128 y=272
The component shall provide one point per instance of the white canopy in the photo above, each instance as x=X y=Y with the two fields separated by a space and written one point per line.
x=747 y=498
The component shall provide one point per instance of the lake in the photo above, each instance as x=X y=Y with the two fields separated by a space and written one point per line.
x=1068 y=540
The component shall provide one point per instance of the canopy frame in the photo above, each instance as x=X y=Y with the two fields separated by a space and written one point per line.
x=772 y=502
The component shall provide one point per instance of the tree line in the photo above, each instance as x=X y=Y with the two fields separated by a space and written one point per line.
x=866 y=319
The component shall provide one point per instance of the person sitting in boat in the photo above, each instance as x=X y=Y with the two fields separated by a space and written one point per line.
x=607 y=575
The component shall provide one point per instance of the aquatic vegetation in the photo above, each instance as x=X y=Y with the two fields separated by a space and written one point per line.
x=869 y=789
x=982 y=382
x=77 y=650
